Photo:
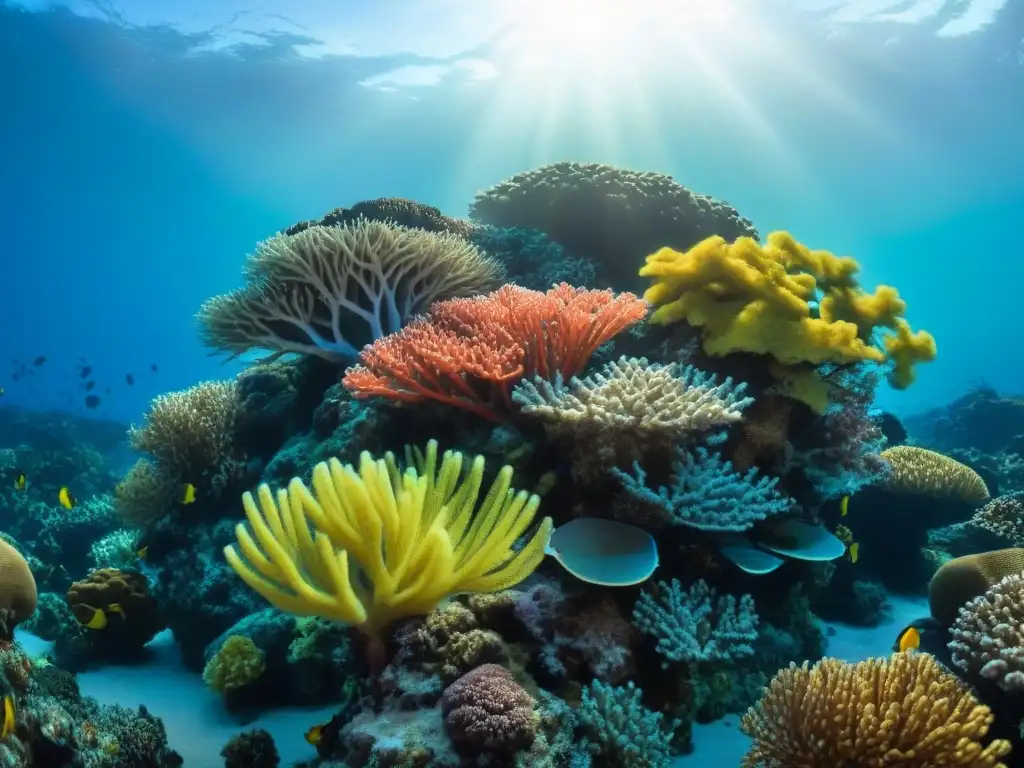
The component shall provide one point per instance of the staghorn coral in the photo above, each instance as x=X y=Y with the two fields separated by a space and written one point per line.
x=327 y=291
x=621 y=731
x=386 y=544
x=920 y=472
x=988 y=636
x=706 y=493
x=960 y=580
x=237 y=663
x=906 y=710
x=632 y=404
x=1004 y=517
x=471 y=352
x=745 y=297
x=191 y=433
x=697 y=625
x=486 y=712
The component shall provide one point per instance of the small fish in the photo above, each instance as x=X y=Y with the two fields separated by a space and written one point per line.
x=315 y=734
x=19 y=481
x=116 y=608
x=91 y=401
x=141 y=552
x=908 y=640
x=10 y=718
x=853 y=552
x=90 y=617
x=129 y=378
x=188 y=494
x=66 y=498
x=152 y=367
x=2 y=390
x=39 y=361
x=844 y=506
x=84 y=373
x=89 y=386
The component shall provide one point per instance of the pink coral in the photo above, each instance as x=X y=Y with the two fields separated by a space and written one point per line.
x=486 y=710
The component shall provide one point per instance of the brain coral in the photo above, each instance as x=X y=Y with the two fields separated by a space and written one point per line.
x=920 y=472
x=486 y=710
x=906 y=710
x=962 y=579
x=17 y=589
x=988 y=636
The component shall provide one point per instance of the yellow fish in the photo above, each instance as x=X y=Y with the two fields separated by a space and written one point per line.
x=65 y=498
x=141 y=553
x=19 y=482
x=909 y=640
x=853 y=552
x=844 y=506
x=189 y=494
x=315 y=735
x=89 y=617
x=10 y=718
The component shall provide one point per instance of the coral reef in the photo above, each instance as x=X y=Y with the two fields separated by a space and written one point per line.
x=987 y=636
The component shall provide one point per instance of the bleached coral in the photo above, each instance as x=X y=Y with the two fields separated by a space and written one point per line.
x=697 y=625
x=988 y=635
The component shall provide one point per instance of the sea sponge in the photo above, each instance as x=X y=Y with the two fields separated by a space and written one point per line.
x=920 y=472
x=906 y=710
x=328 y=291
x=960 y=580
x=127 y=630
x=237 y=663
x=988 y=636
x=17 y=590
x=487 y=712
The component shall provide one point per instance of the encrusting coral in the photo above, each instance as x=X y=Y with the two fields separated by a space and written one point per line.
x=988 y=635
x=327 y=291
x=386 y=544
x=784 y=300
x=905 y=710
x=920 y=472
x=470 y=353
x=487 y=712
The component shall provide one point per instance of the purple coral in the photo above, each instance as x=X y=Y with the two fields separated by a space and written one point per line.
x=486 y=710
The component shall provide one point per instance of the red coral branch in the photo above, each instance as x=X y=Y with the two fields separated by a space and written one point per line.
x=471 y=352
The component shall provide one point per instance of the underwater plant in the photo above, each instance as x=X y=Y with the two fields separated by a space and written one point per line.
x=386 y=544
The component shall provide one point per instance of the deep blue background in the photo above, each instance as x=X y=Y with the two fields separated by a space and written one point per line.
x=136 y=174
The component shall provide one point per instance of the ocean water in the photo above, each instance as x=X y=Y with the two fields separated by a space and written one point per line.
x=147 y=147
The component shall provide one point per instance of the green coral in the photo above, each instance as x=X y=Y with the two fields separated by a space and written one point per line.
x=621 y=730
x=237 y=663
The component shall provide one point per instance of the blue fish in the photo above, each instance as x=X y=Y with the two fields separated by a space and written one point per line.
x=604 y=552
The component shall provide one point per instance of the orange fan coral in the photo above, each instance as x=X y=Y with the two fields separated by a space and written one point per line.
x=471 y=352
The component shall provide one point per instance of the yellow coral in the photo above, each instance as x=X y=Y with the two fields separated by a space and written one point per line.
x=386 y=544
x=920 y=472
x=906 y=710
x=237 y=663
x=749 y=298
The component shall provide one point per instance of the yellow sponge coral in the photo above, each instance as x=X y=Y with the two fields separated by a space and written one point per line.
x=386 y=544
x=785 y=300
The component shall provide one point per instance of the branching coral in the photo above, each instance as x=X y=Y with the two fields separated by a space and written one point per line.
x=471 y=352
x=920 y=472
x=191 y=433
x=651 y=401
x=707 y=493
x=749 y=298
x=988 y=635
x=621 y=731
x=326 y=291
x=906 y=710
x=697 y=625
x=386 y=544
x=1003 y=516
